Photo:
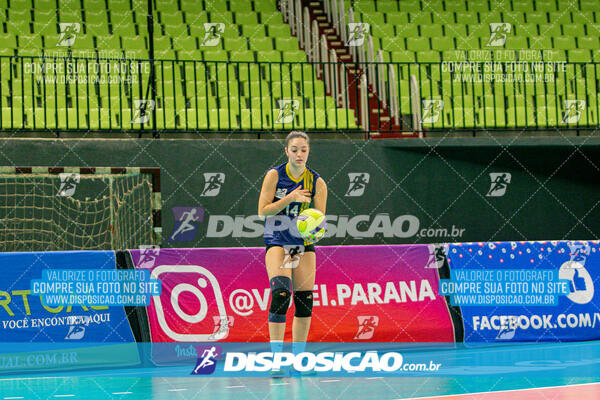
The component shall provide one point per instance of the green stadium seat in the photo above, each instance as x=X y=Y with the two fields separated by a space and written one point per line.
x=588 y=42
x=193 y=17
x=240 y=6
x=365 y=6
x=513 y=17
x=269 y=56
x=185 y=43
x=294 y=56
x=8 y=40
x=432 y=56
x=215 y=55
x=261 y=43
x=287 y=44
x=387 y=6
x=433 y=30
x=538 y=17
x=417 y=43
x=442 y=43
x=526 y=29
x=420 y=18
x=443 y=17
x=540 y=42
x=560 y=17
x=277 y=30
x=246 y=18
x=516 y=43
x=271 y=17
x=564 y=43
x=403 y=56
x=544 y=5
x=241 y=56
x=398 y=19
x=382 y=31
x=576 y=30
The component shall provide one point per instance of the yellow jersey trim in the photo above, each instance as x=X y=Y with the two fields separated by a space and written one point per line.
x=287 y=171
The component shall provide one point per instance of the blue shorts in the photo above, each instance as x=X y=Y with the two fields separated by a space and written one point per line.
x=310 y=247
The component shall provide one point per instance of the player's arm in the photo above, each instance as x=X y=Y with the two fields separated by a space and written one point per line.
x=266 y=206
x=320 y=195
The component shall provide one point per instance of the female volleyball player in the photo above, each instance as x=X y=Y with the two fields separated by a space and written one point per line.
x=287 y=190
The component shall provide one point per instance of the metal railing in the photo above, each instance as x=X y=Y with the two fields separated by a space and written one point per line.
x=84 y=94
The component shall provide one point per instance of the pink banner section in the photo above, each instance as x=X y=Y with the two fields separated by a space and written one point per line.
x=361 y=293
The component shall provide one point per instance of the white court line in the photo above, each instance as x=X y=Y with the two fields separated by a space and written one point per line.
x=176 y=390
x=375 y=377
x=280 y=384
x=330 y=380
x=232 y=387
x=122 y=393
x=500 y=391
x=11 y=398
x=64 y=395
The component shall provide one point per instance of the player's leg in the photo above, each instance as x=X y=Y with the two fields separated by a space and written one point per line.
x=303 y=278
x=280 y=284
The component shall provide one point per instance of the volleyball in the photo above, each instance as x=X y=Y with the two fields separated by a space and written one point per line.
x=311 y=224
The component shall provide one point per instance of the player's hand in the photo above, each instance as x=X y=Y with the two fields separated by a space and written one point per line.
x=300 y=195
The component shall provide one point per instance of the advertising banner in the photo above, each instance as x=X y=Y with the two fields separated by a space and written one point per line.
x=525 y=291
x=361 y=293
x=28 y=318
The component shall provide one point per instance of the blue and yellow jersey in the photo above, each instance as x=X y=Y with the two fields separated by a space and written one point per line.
x=280 y=229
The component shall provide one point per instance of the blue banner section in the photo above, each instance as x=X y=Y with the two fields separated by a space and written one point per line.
x=25 y=317
x=207 y=360
x=525 y=291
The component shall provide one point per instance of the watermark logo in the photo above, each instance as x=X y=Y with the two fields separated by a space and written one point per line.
x=506 y=333
x=357 y=32
x=212 y=183
x=432 y=110
x=143 y=109
x=287 y=110
x=280 y=193
x=207 y=359
x=581 y=285
x=212 y=34
x=358 y=183
x=222 y=326
x=148 y=254
x=68 y=184
x=437 y=256
x=292 y=254
x=366 y=326
x=500 y=181
x=498 y=33
x=68 y=33
x=77 y=329
x=185 y=228
x=573 y=111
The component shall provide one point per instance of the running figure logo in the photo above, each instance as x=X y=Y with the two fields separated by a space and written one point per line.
x=573 y=111
x=358 y=183
x=207 y=359
x=498 y=33
x=292 y=254
x=212 y=34
x=185 y=228
x=148 y=254
x=143 y=110
x=68 y=184
x=68 y=33
x=287 y=110
x=500 y=181
x=212 y=183
x=222 y=326
x=432 y=110
x=366 y=326
x=357 y=32
x=437 y=256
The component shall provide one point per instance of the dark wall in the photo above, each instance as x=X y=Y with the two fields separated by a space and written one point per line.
x=418 y=191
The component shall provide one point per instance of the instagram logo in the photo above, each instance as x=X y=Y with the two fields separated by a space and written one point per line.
x=189 y=292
